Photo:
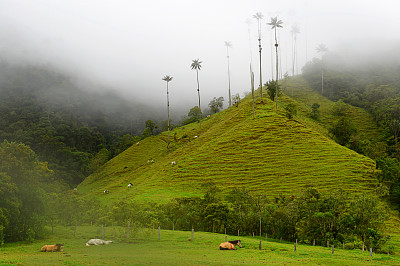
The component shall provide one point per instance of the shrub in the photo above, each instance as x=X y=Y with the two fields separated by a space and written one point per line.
x=349 y=245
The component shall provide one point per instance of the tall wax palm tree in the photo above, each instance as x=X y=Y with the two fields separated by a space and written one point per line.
x=167 y=79
x=229 y=45
x=275 y=23
x=295 y=30
x=259 y=17
x=321 y=48
x=196 y=64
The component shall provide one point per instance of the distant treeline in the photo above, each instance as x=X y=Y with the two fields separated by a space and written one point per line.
x=335 y=217
x=375 y=88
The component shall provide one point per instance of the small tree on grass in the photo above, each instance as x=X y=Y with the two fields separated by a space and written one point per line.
x=343 y=131
x=315 y=111
x=272 y=85
x=291 y=110
x=216 y=104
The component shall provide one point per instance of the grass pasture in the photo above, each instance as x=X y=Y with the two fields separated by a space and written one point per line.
x=144 y=248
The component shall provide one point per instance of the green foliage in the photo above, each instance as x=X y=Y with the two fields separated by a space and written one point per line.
x=236 y=99
x=24 y=182
x=151 y=127
x=271 y=89
x=291 y=110
x=343 y=131
x=216 y=104
x=315 y=113
x=193 y=116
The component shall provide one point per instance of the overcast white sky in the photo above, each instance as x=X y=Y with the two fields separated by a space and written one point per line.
x=132 y=45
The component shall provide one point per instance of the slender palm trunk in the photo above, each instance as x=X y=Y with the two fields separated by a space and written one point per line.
x=259 y=49
x=229 y=79
x=198 y=93
x=322 y=78
x=168 y=117
x=293 y=54
x=276 y=83
x=252 y=86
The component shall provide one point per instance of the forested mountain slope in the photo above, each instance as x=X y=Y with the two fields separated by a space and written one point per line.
x=64 y=121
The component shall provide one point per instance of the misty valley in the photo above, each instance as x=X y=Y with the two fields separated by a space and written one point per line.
x=280 y=154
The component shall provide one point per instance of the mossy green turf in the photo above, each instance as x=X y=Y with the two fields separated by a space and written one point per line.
x=270 y=154
x=175 y=249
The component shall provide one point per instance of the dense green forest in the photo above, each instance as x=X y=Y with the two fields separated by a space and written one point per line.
x=375 y=87
x=67 y=124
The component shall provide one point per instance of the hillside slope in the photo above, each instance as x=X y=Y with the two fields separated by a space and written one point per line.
x=270 y=154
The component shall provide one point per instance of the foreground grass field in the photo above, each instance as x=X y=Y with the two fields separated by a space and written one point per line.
x=144 y=248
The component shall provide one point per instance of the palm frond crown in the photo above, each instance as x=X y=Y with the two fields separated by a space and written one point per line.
x=275 y=23
x=322 y=48
x=196 y=64
x=167 y=78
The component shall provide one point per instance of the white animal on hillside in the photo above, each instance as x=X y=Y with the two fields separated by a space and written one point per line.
x=130 y=185
x=173 y=163
x=96 y=242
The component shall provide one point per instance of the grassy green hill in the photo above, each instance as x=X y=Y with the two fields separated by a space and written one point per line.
x=270 y=154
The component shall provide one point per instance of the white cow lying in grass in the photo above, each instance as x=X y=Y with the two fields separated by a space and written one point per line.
x=96 y=242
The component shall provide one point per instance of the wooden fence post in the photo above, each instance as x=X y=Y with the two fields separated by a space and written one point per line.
x=259 y=246
x=127 y=230
x=313 y=242
x=159 y=233
x=370 y=252
x=295 y=249
x=327 y=243
x=296 y=241
x=363 y=248
x=192 y=233
x=173 y=226
x=253 y=234
x=333 y=249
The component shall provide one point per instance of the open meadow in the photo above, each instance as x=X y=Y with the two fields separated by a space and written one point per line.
x=143 y=247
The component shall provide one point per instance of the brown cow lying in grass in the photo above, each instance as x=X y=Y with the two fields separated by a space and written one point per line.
x=52 y=248
x=230 y=245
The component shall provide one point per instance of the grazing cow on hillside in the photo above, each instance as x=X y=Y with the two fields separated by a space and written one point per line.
x=230 y=245
x=52 y=248
x=130 y=185
x=106 y=191
x=96 y=242
x=173 y=163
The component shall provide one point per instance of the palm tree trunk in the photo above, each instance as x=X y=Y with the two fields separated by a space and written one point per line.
x=322 y=79
x=259 y=49
x=168 y=117
x=229 y=82
x=198 y=93
x=276 y=83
